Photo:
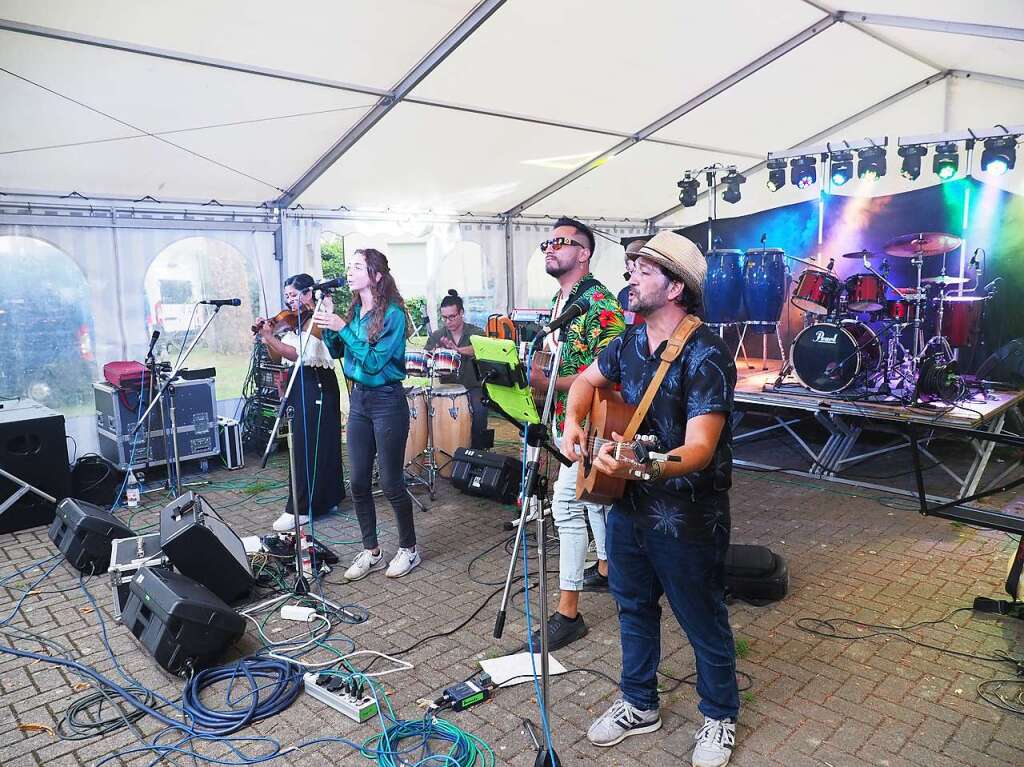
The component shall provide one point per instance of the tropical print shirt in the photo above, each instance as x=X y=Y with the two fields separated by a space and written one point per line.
x=586 y=335
x=700 y=381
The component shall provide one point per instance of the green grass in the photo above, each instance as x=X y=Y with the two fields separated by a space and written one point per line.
x=742 y=648
x=747 y=697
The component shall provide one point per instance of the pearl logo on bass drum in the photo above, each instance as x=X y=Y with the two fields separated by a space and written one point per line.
x=820 y=337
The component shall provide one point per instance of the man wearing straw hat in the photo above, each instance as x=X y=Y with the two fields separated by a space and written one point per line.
x=669 y=533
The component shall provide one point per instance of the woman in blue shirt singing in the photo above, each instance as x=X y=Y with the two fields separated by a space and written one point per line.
x=371 y=339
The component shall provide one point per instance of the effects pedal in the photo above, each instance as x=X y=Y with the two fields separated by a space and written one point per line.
x=461 y=696
x=344 y=694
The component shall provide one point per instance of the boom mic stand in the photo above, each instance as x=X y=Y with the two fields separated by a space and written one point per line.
x=534 y=491
x=168 y=384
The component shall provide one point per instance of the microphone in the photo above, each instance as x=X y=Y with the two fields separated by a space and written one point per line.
x=152 y=343
x=992 y=285
x=764 y=237
x=337 y=282
x=974 y=258
x=576 y=309
x=831 y=263
x=218 y=302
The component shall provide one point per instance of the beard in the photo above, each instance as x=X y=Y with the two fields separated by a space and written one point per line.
x=555 y=269
x=645 y=303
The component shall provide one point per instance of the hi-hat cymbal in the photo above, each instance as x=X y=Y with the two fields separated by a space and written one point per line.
x=946 y=280
x=922 y=244
x=859 y=255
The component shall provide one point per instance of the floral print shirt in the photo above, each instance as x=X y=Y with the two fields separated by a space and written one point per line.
x=700 y=381
x=587 y=335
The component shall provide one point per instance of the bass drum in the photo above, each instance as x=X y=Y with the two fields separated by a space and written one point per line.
x=828 y=357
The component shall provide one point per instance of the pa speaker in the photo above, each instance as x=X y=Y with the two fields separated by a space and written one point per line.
x=486 y=474
x=182 y=624
x=33 y=448
x=83 y=533
x=202 y=546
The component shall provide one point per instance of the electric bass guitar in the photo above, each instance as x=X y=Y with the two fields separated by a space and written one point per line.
x=609 y=413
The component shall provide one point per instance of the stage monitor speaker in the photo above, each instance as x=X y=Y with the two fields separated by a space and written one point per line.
x=84 y=532
x=33 y=448
x=202 y=546
x=486 y=474
x=96 y=480
x=182 y=624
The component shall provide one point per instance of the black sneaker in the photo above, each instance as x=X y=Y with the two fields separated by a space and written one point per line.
x=593 y=580
x=561 y=631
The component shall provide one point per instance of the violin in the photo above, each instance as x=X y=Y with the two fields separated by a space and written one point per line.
x=286 y=319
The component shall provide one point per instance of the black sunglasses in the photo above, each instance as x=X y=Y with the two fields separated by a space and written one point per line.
x=557 y=243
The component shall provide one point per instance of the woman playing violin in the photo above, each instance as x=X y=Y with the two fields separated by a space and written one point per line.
x=316 y=399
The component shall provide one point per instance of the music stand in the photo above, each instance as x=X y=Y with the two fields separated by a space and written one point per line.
x=507 y=392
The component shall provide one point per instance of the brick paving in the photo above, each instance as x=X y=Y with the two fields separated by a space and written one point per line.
x=812 y=700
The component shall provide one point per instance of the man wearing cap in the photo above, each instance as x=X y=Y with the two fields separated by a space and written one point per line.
x=668 y=535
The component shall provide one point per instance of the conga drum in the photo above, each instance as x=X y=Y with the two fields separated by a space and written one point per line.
x=723 y=287
x=451 y=422
x=419 y=414
x=764 y=286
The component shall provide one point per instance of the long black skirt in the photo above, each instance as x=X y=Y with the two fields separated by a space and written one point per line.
x=316 y=430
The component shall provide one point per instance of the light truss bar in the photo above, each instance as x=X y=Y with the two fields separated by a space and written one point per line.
x=718 y=88
x=841 y=125
x=829 y=147
x=459 y=34
x=979 y=134
x=934 y=25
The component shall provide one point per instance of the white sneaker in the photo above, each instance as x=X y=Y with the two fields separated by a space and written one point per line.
x=364 y=564
x=286 y=523
x=404 y=561
x=621 y=720
x=715 y=741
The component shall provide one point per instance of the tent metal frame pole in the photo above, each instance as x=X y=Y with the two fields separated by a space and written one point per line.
x=459 y=34
x=510 y=272
x=1009 y=82
x=878 y=106
x=934 y=25
x=718 y=88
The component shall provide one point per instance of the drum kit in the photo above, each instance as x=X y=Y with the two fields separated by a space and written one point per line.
x=840 y=348
x=440 y=420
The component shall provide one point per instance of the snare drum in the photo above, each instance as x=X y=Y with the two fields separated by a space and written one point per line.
x=961 y=318
x=451 y=422
x=416 y=443
x=417 y=363
x=446 y=361
x=902 y=310
x=816 y=292
x=865 y=293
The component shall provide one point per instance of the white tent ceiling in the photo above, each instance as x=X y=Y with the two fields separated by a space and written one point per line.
x=589 y=108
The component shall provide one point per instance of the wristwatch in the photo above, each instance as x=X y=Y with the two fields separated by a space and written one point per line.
x=654 y=469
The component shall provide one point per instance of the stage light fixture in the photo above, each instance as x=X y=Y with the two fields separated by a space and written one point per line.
x=732 y=181
x=871 y=163
x=688 y=190
x=776 y=175
x=911 y=168
x=999 y=155
x=946 y=161
x=842 y=167
x=802 y=172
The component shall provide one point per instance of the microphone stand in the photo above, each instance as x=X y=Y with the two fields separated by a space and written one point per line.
x=168 y=384
x=533 y=500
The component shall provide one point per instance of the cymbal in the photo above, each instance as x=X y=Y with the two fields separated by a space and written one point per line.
x=946 y=280
x=859 y=255
x=922 y=244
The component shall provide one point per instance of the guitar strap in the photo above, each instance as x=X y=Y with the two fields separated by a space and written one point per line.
x=673 y=348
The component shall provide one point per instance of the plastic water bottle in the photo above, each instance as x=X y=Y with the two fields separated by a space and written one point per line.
x=131 y=491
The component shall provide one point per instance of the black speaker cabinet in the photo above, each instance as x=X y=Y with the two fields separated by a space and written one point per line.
x=83 y=533
x=202 y=546
x=33 y=448
x=181 y=623
x=486 y=474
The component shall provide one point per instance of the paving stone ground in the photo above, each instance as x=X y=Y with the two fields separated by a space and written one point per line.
x=852 y=553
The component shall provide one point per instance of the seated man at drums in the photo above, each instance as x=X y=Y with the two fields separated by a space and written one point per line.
x=454 y=337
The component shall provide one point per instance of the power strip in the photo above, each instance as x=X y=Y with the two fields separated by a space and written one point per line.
x=358 y=710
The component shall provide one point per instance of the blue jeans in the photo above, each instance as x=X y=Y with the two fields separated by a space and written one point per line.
x=643 y=564
x=378 y=425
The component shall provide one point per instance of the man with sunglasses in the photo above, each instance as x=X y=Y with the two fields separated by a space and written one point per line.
x=567 y=254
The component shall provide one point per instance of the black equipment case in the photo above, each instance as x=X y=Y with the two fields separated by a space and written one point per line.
x=755 y=574
x=486 y=474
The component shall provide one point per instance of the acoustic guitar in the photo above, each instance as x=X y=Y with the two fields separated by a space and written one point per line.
x=609 y=413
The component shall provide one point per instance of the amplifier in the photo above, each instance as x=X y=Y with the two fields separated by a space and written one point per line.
x=83 y=533
x=127 y=556
x=183 y=624
x=486 y=474
x=195 y=413
x=202 y=546
x=231 y=452
x=33 y=448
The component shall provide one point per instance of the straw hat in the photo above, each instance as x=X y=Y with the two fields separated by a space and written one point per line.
x=679 y=256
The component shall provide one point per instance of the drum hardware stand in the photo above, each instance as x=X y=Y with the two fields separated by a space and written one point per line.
x=168 y=384
x=533 y=503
